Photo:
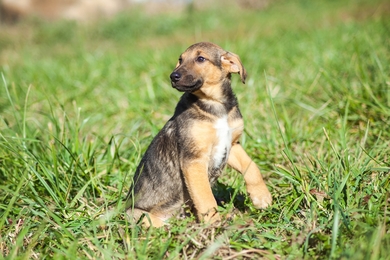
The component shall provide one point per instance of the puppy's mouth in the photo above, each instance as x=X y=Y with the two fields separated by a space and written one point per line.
x=187 y=86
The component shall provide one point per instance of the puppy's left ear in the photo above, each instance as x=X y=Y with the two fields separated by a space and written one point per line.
x=232 y=63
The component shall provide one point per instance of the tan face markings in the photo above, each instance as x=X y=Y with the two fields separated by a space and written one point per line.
x=210 y=74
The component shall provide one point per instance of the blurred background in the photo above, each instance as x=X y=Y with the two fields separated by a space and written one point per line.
x=89 y=10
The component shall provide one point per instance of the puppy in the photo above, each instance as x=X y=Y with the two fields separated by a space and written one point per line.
x=191 y=150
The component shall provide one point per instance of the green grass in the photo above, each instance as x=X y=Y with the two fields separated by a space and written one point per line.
x=79 y=105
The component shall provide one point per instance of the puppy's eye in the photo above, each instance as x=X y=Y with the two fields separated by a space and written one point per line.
x=200 y=59
x=180 y=60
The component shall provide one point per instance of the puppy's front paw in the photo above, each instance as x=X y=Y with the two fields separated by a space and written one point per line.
x=211 y=216
x=260 y=196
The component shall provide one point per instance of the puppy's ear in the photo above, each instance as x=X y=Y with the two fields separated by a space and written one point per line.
x=232 y=63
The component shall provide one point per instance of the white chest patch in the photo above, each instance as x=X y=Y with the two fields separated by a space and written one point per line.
x=224 y=141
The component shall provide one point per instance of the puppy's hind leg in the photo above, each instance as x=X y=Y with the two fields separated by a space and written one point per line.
x=148 y=219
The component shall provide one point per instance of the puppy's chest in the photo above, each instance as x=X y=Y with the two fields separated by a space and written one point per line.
x=223 y=141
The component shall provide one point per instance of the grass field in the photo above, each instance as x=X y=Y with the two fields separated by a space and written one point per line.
x=79 y=105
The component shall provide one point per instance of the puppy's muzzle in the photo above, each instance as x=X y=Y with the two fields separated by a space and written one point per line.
x=175 y=76
x=185 y=82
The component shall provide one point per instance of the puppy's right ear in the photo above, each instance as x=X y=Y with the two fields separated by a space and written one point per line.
x=232 y=63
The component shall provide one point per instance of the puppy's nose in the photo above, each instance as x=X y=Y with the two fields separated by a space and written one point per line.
x=175 y=76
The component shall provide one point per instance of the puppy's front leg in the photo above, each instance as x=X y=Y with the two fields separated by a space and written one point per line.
x=258 y=191
x=198 y=185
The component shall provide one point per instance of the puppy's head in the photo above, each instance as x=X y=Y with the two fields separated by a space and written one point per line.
x=205 y=64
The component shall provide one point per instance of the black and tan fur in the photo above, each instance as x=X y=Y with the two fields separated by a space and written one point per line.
x=191 y=150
